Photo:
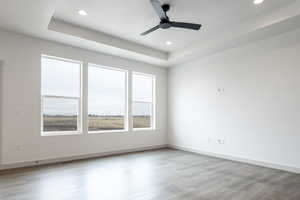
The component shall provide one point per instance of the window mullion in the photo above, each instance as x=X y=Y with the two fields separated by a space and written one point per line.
x=129 y=104
x=85 y=117
x=80 y=100
x=154 y=114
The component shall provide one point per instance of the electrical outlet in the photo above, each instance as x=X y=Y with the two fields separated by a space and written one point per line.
x=220 y=90
x=220 y=141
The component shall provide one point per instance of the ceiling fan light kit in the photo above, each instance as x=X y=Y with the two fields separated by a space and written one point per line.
x=165 y=23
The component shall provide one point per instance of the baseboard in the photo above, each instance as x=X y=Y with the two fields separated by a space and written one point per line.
x=75 y=158
x=237 y=159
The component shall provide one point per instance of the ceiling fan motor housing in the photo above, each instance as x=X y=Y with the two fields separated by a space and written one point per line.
x=166 y=7
x=165 y=24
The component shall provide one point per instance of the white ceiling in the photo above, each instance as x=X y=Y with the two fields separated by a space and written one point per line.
x=128 y=18
x=113 y=26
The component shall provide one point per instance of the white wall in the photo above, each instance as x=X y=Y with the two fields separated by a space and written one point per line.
x=256 y=112
x=1 y=85
x=20 y=124
x=248 y=97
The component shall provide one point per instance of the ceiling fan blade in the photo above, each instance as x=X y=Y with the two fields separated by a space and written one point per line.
x=158 y=9
x=150 y=30
x=186 y=25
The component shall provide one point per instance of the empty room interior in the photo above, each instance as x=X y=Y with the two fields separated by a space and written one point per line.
x=149 y=100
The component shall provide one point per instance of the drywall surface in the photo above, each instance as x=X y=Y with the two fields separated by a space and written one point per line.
x=1 y=85
x=242 y=103
x=20 y=100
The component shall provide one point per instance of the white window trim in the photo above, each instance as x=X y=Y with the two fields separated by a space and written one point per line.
x=83 y=118
x=126 y=114
x=108 y=131
x=153 y=103
x=79 y=117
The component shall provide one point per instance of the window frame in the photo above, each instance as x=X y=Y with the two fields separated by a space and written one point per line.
x=153 y=103
x=126 y=111
x=79 y=99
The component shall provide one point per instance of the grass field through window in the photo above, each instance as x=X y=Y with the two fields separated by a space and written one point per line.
x=96 y=123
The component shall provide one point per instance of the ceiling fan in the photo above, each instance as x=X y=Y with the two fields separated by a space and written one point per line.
x=165 y=23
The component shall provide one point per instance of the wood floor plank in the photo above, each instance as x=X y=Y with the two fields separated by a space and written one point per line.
x=152 y=175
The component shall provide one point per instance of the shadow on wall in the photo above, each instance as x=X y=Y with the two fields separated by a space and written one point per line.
x=1 y=89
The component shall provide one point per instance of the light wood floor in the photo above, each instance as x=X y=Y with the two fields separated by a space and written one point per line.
x=153 y=175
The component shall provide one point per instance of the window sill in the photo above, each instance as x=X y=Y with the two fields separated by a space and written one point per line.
x=108 y=131
x=48 y=134
x=142 y=129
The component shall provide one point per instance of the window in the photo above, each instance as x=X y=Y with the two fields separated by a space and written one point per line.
x=61 y=96
x=143 y=90
x=107 y=90
x=104 y=107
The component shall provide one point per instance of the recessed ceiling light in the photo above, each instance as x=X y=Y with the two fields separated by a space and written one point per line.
x=168 y=43
x=258 y=1
x=82 y=12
